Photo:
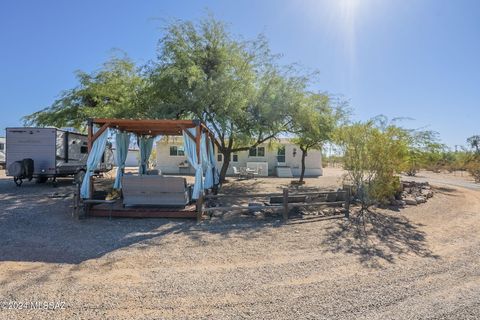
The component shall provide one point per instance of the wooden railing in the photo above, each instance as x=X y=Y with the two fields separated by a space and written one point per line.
x=288 y=201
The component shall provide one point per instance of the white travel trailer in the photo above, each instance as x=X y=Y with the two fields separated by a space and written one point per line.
x=44 y=153
x=2 y=152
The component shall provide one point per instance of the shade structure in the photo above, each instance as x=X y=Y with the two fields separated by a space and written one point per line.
x=190 y=129
x=149 y=126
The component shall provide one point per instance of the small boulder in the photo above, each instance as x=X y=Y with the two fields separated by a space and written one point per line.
x=421 y=199
x=410 y=201
x=400 y=203
x=427 y=193
x=327 y=211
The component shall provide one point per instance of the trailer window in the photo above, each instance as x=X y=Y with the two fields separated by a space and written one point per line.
x=2 y=146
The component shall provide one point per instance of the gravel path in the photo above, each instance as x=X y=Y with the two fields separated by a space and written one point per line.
x=419 y=263
x=463 y=181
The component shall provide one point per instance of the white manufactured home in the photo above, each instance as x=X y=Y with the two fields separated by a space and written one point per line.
x=282 y=159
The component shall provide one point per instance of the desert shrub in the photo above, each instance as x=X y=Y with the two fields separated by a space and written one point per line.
x=373 y=157
x=473 y=168
x=424 y=151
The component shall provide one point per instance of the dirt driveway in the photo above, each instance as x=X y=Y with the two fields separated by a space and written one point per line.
x=419 y=263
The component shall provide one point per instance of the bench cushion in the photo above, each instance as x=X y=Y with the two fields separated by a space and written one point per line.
x=155 y=190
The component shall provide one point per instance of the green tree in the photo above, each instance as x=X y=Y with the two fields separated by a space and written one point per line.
x=235 y=86
x=314 y=122
x=113 y=91
x=373 y=158
x=424 y=150
x=474 y=142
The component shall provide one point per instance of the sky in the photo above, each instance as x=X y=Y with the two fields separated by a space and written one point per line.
x=416 y=59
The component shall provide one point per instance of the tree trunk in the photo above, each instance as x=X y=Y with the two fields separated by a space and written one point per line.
x=226 y=162
x=302 y=173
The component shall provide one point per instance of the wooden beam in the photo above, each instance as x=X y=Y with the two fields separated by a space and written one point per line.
x=142 y=213
x=261 y=195
x=190 y=135
x=90 y=135
x=348 y=195
x=199 y=208
x=100 y=131
x=197 y=143
x=189 y=123
x=285 y=204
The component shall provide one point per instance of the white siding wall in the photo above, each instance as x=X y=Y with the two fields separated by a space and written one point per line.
x=170 y=164
x=133 y=158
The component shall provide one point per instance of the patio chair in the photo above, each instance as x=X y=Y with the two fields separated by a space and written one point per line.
x=252 y=173
x=237 y=172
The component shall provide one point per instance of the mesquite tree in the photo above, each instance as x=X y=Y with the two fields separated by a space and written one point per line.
x=235 y=86
x=314 y=123
x=112 y=91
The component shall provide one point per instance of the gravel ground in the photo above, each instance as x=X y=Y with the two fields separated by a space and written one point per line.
x=417 y=263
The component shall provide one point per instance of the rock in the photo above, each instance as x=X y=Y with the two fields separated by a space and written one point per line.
x=427 y=193
x=398 y=203
x=421 y=199
x=410 y=201
x=327 y=211
x=217 y=214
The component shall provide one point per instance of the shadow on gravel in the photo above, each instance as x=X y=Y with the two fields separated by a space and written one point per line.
x=36 y=225
x=447 y=191
x=36 y=228
x=384 y=237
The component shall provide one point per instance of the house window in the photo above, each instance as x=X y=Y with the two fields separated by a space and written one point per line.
x=176 y=151
x=281 y=154
x=257 y=152
x=2 y=146
x=233 y=158
x=83 y=149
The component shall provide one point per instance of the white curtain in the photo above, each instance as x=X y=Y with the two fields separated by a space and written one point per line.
x=122 y=141
x=145 y=144
x=191 y=153
x=213 y=161
x=94 y=158
x=207 y=164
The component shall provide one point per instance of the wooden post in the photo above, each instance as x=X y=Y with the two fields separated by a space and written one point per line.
x=90 y=135
x=199 y=208
x=285 y=204
x=348 y=195
x=197 y=142
x=89 y=147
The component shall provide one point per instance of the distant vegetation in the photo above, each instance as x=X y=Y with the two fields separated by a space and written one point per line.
x=375 y=152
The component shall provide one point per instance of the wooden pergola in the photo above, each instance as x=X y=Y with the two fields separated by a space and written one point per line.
x=148 y=127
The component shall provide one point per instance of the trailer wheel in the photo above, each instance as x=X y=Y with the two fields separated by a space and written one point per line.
x=18 y=181
x=78 y=177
